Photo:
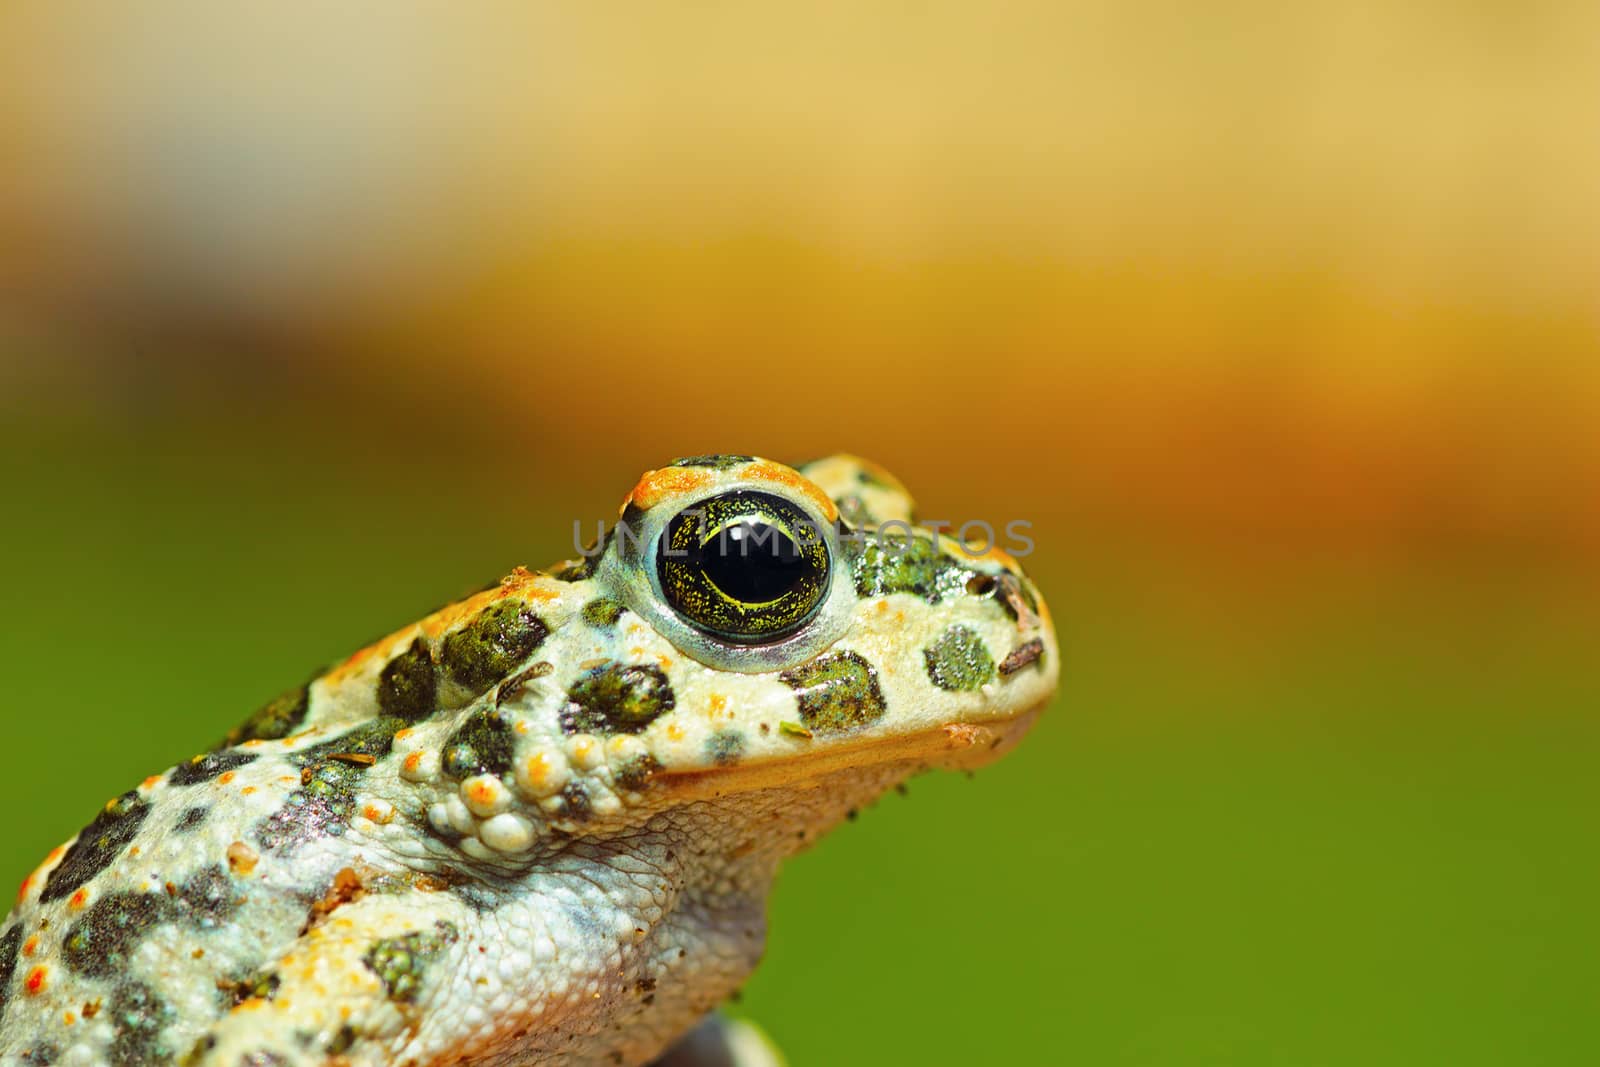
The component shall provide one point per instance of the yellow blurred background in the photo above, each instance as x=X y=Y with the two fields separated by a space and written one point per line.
x=1279 y=322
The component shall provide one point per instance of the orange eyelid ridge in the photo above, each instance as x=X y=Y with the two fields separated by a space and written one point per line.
x=656 y=486
x=764 y=470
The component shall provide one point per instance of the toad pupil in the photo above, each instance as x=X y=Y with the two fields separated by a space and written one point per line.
x=751 y=561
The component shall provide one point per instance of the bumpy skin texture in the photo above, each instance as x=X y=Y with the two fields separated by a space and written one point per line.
x=528 y=829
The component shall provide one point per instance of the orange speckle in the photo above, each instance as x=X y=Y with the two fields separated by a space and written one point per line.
x=135 y=850
x=718 y=708
x=674 y=732
x=538 y=769
x=883 y=607
x=151 y=782
x=78 y=899
x=483 y=791
x=776 y=473
x=242 y=858
x=413 y=762
x=401 y=735
x=289 y=778
x=522 y=726
x=656 y=486
x=254 y=742
x=37 y=979
x=30 y=946
x=22 y=890
x=247 y=790
x=665 y=661
x=344 y=1011
x=55 y=854
x=69 y=1018
x=225 y=777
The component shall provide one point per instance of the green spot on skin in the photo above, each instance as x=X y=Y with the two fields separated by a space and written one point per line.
x=576 y=804
x=492 y=645
x=10 y=946
x=616 y=698
x=278 y=718
x=138 y=1017
x=343 y=1041
x=263 y=986
x=959 y=660
x=634 y=772
x=602 y=613
x=98 y=845
x=407 y=687
x=481 y=745
x=836 y=692
x=892 y=563
x=102 y=942
x=322 y=806
x=207 y=899
x=725 y=747
x=400 y=962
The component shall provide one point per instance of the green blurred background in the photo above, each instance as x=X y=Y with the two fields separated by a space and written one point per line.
x=1278 y=322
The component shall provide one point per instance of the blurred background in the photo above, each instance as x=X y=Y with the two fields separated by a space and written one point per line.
x=1278 y=322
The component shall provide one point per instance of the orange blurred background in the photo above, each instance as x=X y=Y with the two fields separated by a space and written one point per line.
x=1324 y=271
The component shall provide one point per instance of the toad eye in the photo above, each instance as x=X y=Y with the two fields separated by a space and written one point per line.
x=747 y=567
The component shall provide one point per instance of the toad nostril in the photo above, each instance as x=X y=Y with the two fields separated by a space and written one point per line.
x=980 y=585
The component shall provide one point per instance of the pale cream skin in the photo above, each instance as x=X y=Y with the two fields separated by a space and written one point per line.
x=513 y=863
